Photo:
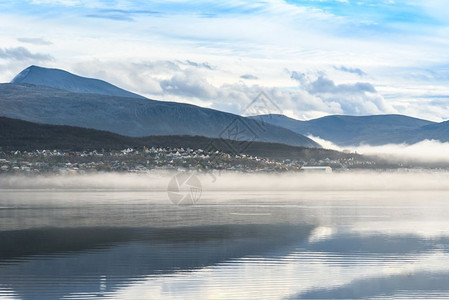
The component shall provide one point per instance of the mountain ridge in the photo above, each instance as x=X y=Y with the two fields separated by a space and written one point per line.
x=346 y=130
x=61 y=79
x=133 y=116
x=23 y=135
x=54 y=96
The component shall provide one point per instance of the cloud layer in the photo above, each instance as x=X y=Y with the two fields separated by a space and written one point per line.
x=427 y=151
x=35 y=41
x=356 y=58
x=21 y=53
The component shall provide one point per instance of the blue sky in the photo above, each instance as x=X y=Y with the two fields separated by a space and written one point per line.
x=378 y=11
x=222 y=54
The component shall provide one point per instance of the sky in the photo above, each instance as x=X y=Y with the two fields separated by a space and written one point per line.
x=311 y=57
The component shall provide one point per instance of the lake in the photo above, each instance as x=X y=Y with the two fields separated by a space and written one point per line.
x=102 y=244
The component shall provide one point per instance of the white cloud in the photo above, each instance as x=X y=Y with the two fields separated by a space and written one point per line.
x=249 y=77
x=23 y=54
x=436 y=8
x=34 y=41
x=427 y=151
x=357 y=71
x=229 y=39
x=87 y=3
x=58 y=2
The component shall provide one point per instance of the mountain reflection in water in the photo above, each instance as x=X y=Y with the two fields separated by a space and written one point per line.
x=97 y=245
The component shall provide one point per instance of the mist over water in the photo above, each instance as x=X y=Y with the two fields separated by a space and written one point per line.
x=230 y=181
x=427 y=151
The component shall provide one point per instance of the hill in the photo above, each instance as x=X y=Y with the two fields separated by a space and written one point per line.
x=64 y=80
x=355 y=130
x=135 y=116
x=23 y=135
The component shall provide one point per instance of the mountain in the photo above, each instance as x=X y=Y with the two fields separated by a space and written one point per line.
x=436 y=131
x=23 y=135
x=136 y=117
x=60 y=79
x=354 y=130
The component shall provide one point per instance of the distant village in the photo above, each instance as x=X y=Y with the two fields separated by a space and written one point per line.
x=148 y=159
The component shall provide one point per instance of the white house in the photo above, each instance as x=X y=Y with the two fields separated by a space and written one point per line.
x=317 y=169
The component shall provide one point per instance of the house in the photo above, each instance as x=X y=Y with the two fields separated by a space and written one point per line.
x=317 y=169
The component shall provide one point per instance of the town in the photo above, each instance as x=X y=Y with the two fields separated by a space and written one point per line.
x=147 y=159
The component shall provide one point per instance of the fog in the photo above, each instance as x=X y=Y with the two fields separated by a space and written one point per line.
x=227 y=181
x=427 y=151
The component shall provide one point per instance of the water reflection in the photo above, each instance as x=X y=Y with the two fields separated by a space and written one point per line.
x=97 y=245
x=64 y=261
x=424 y=285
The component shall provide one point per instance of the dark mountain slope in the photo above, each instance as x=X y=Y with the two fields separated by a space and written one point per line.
x=135 y=117
x=22 y=135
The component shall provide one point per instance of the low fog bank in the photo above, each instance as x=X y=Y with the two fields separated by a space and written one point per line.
x=427 y=151
x=416 y=180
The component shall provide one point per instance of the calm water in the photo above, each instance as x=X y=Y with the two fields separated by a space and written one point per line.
x=242 y=245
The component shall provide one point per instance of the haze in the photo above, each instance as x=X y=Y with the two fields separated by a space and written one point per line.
x=229 y=181
x=427 y=151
